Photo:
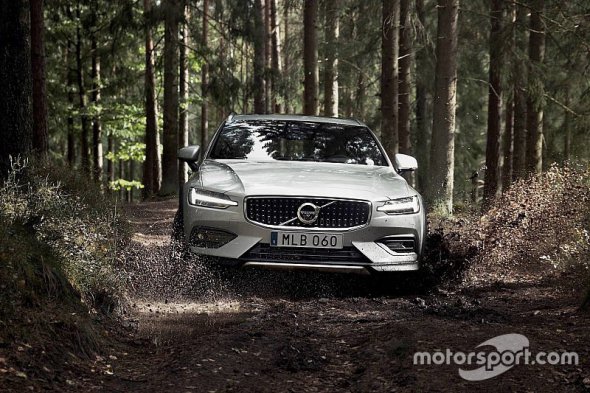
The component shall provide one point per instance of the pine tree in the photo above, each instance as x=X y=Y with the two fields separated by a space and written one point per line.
x=492 y=173
x=170 y=138
x=519 y=72
x=40 y=137
x=405 y=83
x=259 y=56
x=205 y=78
x=535 y=99
x=152 y=167
x=389 y=76
x=183 y=127
x=15 y=83
x=439 y=189
x=310 y=58
x=332 y=32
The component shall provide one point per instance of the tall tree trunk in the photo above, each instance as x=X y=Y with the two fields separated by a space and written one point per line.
x=332 y=33
x=82 y=103
x=70 y=82
x=354 y=103
x=97 y=154
x=184 y=103
x=259 y=59
x=310 y=57
x=276 y=55
x=405 y=82
x=534 y=157
x=389 y=76
x=131 y=164
x=204 y=78
x=221 y=115
x=354 y=98
x=111 y=163
x=286 y=62
x=508 y=137
x=440 y=185
x=15 y=82
x=422 y=134
x=267 y=56
x=507 y=148
x=170 y=138
x=244 y=61
x=122 y=191
x=40 y=136
x=494 y=134
x=520 y=81
x=359 y=96
x=152 y=166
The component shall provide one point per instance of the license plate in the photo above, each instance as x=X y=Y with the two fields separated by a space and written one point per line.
x=305 y=239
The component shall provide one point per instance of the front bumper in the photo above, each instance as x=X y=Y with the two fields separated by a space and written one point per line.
x=372 y=256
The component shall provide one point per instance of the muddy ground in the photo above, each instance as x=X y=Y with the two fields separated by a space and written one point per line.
x=191 y=328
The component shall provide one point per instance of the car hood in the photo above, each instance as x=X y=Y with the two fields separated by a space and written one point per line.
x=302 y=179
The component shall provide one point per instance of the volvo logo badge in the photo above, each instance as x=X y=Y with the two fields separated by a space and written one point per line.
x=308 y=213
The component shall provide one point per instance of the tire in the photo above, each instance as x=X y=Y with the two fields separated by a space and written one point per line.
x=178 y=226
x=178 y=243
x=403 y=282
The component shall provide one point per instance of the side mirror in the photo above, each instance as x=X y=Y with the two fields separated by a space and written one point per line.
x=405 y=163
x=190 y=155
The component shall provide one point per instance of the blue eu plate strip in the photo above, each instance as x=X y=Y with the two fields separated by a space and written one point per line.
x=273 y=238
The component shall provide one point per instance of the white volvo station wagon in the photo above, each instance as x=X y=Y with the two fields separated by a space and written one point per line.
x=301 y=192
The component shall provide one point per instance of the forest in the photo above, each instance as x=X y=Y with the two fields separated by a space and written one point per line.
x=491 y=97
x=118 y=86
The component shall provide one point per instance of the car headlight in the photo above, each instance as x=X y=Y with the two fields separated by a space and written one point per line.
x=209 y=199
x=408 y=205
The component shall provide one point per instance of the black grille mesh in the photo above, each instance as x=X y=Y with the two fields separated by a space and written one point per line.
x=338 y=214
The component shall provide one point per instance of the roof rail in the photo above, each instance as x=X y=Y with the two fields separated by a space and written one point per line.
x=230 y=118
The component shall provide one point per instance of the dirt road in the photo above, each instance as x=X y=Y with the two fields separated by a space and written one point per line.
x=199 y=330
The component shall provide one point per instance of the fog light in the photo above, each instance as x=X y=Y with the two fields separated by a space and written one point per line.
x=398 y=244
x=210 y=238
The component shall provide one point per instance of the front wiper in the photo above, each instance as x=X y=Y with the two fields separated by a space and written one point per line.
x=295 y=159
x=306 y=159
x=337 y=158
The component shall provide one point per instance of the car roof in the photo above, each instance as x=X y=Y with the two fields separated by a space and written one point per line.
x=314 y=119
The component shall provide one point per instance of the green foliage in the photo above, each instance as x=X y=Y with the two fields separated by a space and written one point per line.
x=128 y=151
x=122 y=184
x=118 y=30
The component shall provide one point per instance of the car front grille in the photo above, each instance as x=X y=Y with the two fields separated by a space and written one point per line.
x=266 y=253
x=333 y=213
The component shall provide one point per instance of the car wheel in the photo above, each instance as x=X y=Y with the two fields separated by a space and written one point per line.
x=178 y=226
x=413 y=282
x=216 y=268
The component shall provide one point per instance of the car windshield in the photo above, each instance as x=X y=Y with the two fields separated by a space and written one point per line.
x=297 y=141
